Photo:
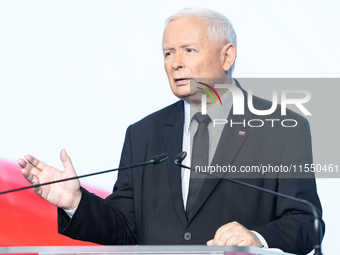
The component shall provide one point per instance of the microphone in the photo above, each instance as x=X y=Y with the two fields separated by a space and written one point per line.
x=154 y=160
x=160 y=158
x=181 y=156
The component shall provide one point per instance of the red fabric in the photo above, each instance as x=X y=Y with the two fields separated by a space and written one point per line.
x=25 y=218
x=19 y=253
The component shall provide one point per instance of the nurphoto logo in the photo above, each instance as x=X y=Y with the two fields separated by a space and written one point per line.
x=240 y=101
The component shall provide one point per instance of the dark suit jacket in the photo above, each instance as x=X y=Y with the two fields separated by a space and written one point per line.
x=146 y=205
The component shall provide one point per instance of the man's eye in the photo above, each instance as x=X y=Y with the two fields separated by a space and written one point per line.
x=190 y=50
x=167 y=54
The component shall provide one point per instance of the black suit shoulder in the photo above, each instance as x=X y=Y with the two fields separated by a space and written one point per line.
x=159 y=116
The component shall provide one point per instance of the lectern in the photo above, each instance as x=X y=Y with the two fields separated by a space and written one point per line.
x=144 y=250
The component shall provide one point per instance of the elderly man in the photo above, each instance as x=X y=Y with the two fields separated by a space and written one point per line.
x=160 y=204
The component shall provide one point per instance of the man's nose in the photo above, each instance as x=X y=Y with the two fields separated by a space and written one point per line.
x=178 y=62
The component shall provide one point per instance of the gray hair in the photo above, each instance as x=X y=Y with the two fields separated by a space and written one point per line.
x=220 y=28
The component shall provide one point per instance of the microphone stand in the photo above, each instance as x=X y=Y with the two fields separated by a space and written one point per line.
x=155 y=160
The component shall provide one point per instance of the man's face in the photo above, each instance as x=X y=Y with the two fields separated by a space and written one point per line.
x=190 y=53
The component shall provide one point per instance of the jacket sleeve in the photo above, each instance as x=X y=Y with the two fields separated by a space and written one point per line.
x=293 y=229
x=105 y=221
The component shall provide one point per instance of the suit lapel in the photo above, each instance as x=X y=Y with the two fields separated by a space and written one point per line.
x=231 y=141
x=173 y=136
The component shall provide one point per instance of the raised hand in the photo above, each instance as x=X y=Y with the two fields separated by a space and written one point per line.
x=66 y=194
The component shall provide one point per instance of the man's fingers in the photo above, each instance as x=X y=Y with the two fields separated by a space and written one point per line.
x=234 y=234
x=210 y=242
x=35 y=162
x=226 y=238
x=245 y=242
x=242 y=239
x=35 y=181
x=225 y=228
x=22 y=163
x=233 y=239
x=28 y=170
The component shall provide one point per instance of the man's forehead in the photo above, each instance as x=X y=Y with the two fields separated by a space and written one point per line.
x=185 y=30
x=187 y=23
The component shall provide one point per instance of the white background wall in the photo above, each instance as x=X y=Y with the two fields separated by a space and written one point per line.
x=75 y=74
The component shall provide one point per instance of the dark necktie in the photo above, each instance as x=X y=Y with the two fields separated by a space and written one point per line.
x=199 y=158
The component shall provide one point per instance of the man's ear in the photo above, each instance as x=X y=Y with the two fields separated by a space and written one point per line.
x=228 y=56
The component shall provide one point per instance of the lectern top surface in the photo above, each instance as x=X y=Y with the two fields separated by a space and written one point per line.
x=144 y=250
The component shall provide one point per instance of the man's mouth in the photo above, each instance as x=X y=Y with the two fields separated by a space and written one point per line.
x=182 y=81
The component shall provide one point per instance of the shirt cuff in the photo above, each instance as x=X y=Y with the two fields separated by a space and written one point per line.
x=262 y=240
x=71 y=212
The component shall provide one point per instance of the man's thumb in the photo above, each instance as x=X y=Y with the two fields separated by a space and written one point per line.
x=67 y=163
